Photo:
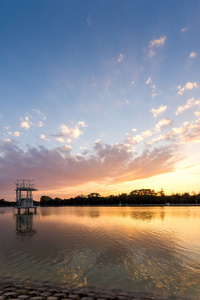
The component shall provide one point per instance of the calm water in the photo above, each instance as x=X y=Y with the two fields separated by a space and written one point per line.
x=153 y=251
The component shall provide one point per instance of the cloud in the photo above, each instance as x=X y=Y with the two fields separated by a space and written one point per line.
x=184 y=29
x=39 y=113
x=192 y=55
x=16 y=134
x=25 y=125
x=60 y=140
x=188 y=86
x=1 y=116
x=40 y=124
x=151 y=53
x=191 y=132
x=108 y=85
x=187 y=133
x=162 y=124
x=82 y=124
x=197 y=113
x=156 y=139
x=123 y=102
x=139 y=137
x=149 y=80
x=43 y=137
x=153 y=95
x=7 y=140
x=89 y=20
x=121 y=58
x=158 y=111
x=69 y=133
x=156 y=43
x=190 y=103
x=57 y=167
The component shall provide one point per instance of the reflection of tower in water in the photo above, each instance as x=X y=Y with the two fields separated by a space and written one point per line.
x=24 y=224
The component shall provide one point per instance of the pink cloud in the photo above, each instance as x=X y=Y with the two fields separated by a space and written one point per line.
x=58 y=168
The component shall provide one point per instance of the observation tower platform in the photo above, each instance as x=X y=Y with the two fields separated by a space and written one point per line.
x=24 y=196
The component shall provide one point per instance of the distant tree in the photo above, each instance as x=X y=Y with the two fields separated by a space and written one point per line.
x=46 y=200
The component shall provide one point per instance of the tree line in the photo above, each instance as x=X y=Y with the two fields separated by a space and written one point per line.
x=135 y=197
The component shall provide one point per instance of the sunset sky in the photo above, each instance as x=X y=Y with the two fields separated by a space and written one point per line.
x=100 y=96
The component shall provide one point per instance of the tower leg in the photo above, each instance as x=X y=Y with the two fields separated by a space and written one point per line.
x=18 y=211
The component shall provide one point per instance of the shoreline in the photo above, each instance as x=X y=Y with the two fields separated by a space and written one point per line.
x=25 y=290
x=132 y=205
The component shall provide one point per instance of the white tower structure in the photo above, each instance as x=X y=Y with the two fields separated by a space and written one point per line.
x=24 y=198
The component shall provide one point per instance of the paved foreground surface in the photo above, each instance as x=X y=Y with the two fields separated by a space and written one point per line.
x=22 y=291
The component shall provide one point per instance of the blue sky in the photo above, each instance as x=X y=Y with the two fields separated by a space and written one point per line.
x=100 y=96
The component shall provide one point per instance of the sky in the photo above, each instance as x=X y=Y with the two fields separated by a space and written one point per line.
x=99 y=96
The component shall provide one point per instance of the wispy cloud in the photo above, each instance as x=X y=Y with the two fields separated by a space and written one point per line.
x=192 y=55
x=121 y=58
x=40 y=124
x=149 y=80
x=39 y=113
x=184 y=29
x=7 y=140
x=154 y=95
x=89 y=20
x=139 y=137
x=123 y=102
x=187 y=86
x=162 y=124
x=158 y=111
x=61 y=140
x=188 y=132
x=156 y=43
x=190 y=103
x=108 y=85
x=151 y=53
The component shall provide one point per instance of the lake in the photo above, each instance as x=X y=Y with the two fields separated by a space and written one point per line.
x=146 y=250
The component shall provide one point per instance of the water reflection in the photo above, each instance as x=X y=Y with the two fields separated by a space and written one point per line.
x=146 y=215
x=143 y=214
x=24 y=224
x=144 y=250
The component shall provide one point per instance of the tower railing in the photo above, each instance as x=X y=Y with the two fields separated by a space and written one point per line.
x=25 y=185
